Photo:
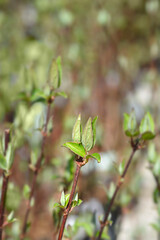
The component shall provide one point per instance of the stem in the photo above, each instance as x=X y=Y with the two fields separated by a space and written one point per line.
x=68 y=208
x=4 y=185
x=104 y=222
x=36 y=171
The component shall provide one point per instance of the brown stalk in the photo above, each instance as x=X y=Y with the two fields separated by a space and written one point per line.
x=36 y=171
x=135 y=147
x=4 y=185
x=79 y=163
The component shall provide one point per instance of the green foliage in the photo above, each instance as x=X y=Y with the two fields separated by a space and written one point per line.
x=83 y=142
x=10 y=217
x=95 y=156
x=77 y=130
x=26 y=191
x=87 y=137
x=55 y=74
x=77 y=148
x=65 y=199
x=121 y=167
x=84 y=221
x=130 y=124
x=146 y=128
x=6 y=160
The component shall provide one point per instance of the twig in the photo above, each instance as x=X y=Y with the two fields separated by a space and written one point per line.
x=36 y=171
x=79 y=163
x=135 y=147
x=4 y=185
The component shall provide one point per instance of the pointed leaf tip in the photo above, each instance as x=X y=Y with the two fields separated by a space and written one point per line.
x=96 y=156
x=87 y=137
x=77 y=130
x=94 y=129
x=147 y=127
x=55 y=73
x=76 y=148
x=63 y=199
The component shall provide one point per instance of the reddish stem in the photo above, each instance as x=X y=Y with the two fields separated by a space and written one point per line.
x=4 y=185
x=104 y=222
x=36 y=171
x=68 y=208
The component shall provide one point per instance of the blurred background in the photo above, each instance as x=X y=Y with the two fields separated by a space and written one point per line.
x=110 y=54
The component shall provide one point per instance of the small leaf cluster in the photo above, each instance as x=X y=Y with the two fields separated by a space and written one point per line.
x=65 y=199
x=6 y=159
x=83 y=141
x=145 y=130
x=85 y=221
x=49 y=92
x=11 y=218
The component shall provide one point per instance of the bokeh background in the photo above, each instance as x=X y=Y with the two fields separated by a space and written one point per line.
x=110 y=54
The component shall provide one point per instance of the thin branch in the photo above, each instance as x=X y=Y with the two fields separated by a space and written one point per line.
x=4 y=185
x=36 y=171
x=104 y=222
x=68 y=208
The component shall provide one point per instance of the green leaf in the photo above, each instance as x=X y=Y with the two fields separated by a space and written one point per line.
x=121 y=167
x=26 y=191
x=55 y=73
x=94 y=129
x=148 y=135
x=58 y=61
x=147 y=127
x=61 y=94
x=111 y=190
x=130 y=124
x=67 y=199
x=95 y=156
x=63 y=199
x=156 y=167
x=50 y=125
x=3 y=164
x=125 y=121
x=156 y=195
x=79 y=202
x=9 y=156
x=78 y=149
x=56 y=205
x=152 y=153
x=156 y=226
x=87 y=137
x=38 y=96
x=77 y=130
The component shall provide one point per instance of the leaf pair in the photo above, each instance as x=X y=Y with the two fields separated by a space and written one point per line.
x=55 y=73
x=65 y=199
x=88 y=138
x=7 y=159
x=146 y=128
x=84 y=142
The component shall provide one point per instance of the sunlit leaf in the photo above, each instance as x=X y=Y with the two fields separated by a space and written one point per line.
x=76 y=148
x=121 y=167
x=147 y=127
x=61 y=94
x=55 y=73
x=94 y=129
x=9 y=156
x=63 y=199
x=26 y=191
x=77 y=130
x=87 y=136
x=95 y=156
x=3 y=164
x=130 y=124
